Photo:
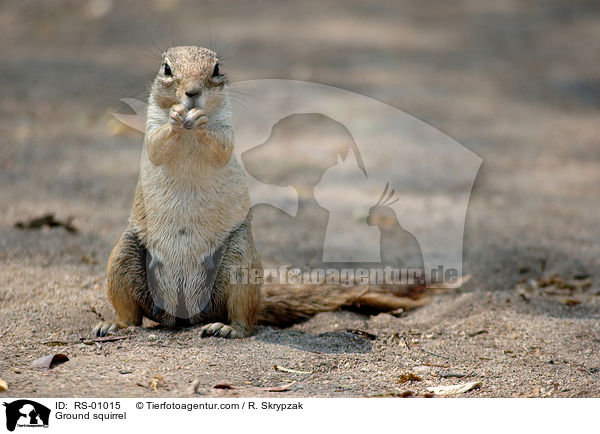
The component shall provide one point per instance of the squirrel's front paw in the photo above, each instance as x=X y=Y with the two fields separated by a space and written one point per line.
x=195 y=118
x=178 y=117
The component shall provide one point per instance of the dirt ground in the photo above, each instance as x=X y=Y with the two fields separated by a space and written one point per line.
x=516 y=82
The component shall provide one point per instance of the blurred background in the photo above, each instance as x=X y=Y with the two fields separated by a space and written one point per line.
x=517 y=82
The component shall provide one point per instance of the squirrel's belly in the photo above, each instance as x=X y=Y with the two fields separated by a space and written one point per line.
x=182 y=263
x=187 y=227
x=181 y=290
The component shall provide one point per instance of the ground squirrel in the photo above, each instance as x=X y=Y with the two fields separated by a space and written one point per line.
x=189 y=232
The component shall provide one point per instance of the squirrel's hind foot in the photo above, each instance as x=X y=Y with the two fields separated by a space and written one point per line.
x=104 y=328
x=220 y=330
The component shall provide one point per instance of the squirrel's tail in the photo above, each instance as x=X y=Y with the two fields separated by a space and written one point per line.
x=284 y=305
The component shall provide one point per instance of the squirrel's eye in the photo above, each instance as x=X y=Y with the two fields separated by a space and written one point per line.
x=167 y=70
x=216 y=72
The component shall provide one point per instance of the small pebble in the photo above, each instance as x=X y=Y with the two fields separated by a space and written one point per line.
x=16 y=370
x=152 y=337
x=125 y=371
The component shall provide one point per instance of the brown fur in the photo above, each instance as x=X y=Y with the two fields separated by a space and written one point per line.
x=284 y=305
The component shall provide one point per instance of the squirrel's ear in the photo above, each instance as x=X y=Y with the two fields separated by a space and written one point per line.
x=216 y=72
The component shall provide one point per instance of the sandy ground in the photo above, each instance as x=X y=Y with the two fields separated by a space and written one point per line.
x=517 y=83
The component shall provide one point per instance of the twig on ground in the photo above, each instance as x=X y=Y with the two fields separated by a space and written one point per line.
x=88 y=341
x=436 y=365
x=53 y=343
x=291 y=371
x=454 y=374
x=434 y=354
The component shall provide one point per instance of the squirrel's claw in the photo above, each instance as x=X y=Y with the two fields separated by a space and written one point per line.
x=177 y=116
x=194 y=119
x=219 y=330
x=104 y=328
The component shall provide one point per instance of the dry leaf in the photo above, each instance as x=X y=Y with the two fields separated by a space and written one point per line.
x=156 y=382
x=281 y=388
x=47 y=220
x=48 y=362
x=225 y=386
x=409 y=376
x=3 y=385
x=454 y=389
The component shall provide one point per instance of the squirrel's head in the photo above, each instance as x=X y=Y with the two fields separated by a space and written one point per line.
x=190 y=76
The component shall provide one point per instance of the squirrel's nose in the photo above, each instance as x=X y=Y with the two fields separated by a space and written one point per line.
x=190 y=93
